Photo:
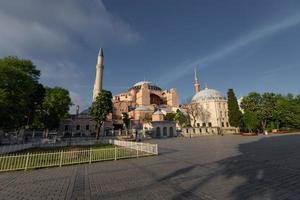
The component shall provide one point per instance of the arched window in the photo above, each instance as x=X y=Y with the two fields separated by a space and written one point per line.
x=157 y=132
x=171 y=132
x=165 y=131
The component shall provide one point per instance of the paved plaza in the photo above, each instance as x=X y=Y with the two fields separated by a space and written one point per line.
x=209 y=167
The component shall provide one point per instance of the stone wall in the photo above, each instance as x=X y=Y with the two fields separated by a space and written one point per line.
x=199 y=131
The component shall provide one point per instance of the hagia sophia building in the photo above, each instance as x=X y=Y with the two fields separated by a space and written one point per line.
x=142 y=100
x=146 y=105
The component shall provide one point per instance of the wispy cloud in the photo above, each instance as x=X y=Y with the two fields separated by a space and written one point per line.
x=262 y=32
x=275 y=71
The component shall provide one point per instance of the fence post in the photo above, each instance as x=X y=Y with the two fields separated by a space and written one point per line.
x=27 y=159
x=90 y=155
x=156 y=149
x=61 y=158
x=115 y=153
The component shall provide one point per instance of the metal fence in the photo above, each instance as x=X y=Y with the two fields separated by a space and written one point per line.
x=60 y=158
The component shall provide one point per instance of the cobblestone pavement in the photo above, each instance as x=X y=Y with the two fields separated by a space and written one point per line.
x=209 y=167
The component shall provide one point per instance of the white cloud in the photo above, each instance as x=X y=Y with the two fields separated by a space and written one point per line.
x=52 y=28
x=77 y=100
x=234 y=46
x=58 y=35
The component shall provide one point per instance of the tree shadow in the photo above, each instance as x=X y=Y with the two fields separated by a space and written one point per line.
x=269 y=168
x=265 y=169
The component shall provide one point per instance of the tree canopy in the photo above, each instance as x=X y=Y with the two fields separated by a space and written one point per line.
x=250 y=121
x=273 y=110
x=100 y=109
x=20 y=92
x=234 y=113
x=170 y=116
x=55 y=107
x=196 y=110
x=24 y=101
x=180 y=118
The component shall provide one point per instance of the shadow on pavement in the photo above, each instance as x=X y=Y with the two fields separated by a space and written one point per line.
x=269 y=168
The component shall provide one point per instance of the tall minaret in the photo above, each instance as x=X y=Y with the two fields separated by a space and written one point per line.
x=196 y=83
x=99 y=75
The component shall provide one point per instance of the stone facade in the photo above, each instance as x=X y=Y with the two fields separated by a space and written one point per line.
x=81 y=125
x=214 y=116
x=199 y=131
x=160 y=129
x=142 y=100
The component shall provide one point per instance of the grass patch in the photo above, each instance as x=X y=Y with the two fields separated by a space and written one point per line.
x=60 y=156
x=66 y=148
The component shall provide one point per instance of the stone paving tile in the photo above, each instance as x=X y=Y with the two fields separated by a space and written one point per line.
x=212 y=167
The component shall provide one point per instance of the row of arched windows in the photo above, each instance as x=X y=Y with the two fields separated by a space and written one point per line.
x=164 y=131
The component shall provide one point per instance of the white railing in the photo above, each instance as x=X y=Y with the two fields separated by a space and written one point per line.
x=145 y=147
x=123 y=149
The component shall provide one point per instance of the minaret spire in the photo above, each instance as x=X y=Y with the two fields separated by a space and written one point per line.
x=196 y=83
x=99 y=74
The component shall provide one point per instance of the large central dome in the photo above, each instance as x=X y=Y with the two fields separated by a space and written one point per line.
x=208 y=94
x=151 y=86
x=142 y=82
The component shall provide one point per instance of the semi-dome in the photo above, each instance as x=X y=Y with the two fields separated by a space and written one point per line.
x=208 y=94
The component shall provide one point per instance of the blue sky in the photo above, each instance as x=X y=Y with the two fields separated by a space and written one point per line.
x=246 y=45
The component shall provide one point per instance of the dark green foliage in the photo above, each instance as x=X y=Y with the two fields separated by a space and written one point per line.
x=234 y=113
x=20 y=92
x=55 y=106
x=125 y=119
x=170 y=116
x=24 y=101
x=250 y=121
x=180 y=118
x=100 y=108
x=274 y=110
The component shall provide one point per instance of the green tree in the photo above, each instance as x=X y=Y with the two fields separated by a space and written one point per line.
x=18 y=89
x=252 y=102
x=180 y=118
x=170 y=116
x=267 y=108
x=262 y=105
x=234 y=113
x=250 y=121
x=100 y=108
x=55 y=107
x=287 y=112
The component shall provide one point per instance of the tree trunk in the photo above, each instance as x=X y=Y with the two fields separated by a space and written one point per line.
x=98 y=132
x=46 y=133
x=194 y=121
x=264 y=124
